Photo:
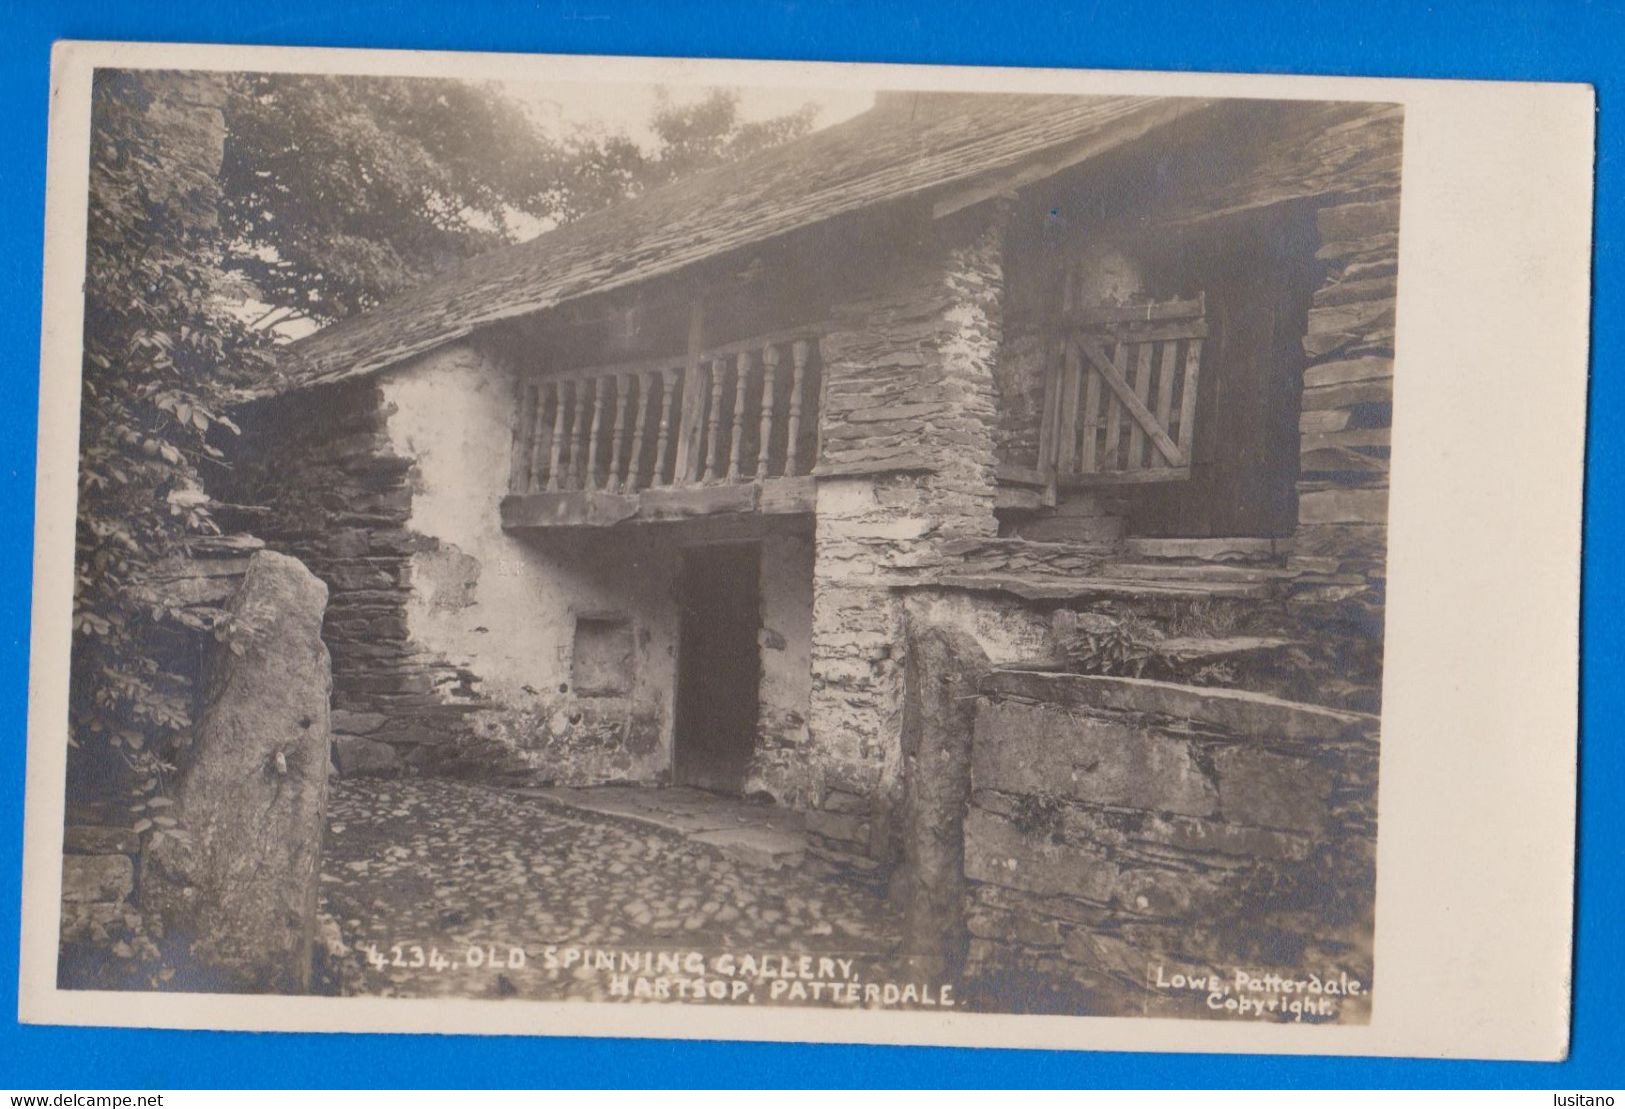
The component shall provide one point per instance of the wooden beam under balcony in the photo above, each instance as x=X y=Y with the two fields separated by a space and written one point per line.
x=571 y=509
x=584 y=509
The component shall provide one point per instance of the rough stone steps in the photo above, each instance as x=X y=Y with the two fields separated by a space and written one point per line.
x=1183 y=648
x=1202 y=572
x=1241 y=711
x=1225 y=550
x=1080 y=528
x=1192 y=648
x=1034 y=588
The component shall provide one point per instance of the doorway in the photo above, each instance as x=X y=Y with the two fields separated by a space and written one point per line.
x=718 y=666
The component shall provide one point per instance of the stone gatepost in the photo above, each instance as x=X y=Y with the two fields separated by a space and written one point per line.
x=239 y=891
x=941 y=674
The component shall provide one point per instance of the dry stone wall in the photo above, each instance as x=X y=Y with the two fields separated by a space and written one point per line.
x=1124 y=831
x=905 y=466
x=329 y=488
x=1340 y=548
x=101 y=855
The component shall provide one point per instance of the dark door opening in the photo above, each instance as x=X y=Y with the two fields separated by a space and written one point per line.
x=1258 y=272
x=718 y=668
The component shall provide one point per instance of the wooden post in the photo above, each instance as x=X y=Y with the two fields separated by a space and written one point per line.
x=524 y=440
x=798 y=355
x=690 y=425
x=1142 y=389
x=600 y=401
x=1066 y=419
x=622 y=391
x=578 y=436
x=742 y=364
x=770 y=366
x=541 y=438
x=1114 y=413
x=557 y=445
x=1091 y=411
x=1166 y=368
x=1187 y=398
x=635 y=464
x=713 y=420
x=668 y=399
x=1049 y=420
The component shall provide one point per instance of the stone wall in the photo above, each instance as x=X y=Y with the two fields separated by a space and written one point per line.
x=1124 y=831
x=781 y=763
x=318 y=477
x=101 y=856
x=503 y=610
x=454 y=641
x=1340 y=547
x=906 y=466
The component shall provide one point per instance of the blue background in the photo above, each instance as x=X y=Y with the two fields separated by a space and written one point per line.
x=1529 y=40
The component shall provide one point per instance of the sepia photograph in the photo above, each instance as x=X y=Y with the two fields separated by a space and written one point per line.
x=755 y=545
x=917 y=549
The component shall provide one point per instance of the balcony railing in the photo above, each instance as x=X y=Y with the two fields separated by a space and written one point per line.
x=744 y=412
x=1120 y=393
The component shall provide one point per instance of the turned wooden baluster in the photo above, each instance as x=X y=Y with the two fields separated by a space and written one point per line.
x=741 y=375
x=798 y=354
x=556 y=447
x=770 y=367
x=539 y=441
x=578 y=435
x=634 y=464
x=713 y=423
x=668 y=404
x=524 y=440
x=600 y=402
x=623 y=391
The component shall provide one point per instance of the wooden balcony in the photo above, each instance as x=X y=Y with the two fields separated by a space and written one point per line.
x=731 y=430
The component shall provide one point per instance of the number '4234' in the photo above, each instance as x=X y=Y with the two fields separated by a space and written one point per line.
x=410 y=956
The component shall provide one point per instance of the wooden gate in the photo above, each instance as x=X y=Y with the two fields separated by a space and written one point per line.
x=1120 y=393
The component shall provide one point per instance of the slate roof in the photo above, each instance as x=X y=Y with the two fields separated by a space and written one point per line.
x=905 y=146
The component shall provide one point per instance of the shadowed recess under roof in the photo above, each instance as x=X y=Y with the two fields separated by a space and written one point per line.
x=908 y=145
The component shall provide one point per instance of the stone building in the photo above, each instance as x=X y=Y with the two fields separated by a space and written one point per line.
x=653 y=497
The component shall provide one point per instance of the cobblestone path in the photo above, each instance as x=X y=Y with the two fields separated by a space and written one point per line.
x=435 y=883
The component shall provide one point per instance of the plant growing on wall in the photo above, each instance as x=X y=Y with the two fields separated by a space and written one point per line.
x=1127 y=644
x=313 y=195
x=158 y=333
x=1126 y=647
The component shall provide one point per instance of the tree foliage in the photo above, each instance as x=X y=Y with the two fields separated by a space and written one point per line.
x=600 y=169
x=338 y=191
x=316 y=196
x=158 y=335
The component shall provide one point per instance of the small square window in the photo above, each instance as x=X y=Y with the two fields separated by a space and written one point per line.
x=601 y=660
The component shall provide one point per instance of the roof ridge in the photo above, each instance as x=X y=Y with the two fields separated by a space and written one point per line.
x=873 y=157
